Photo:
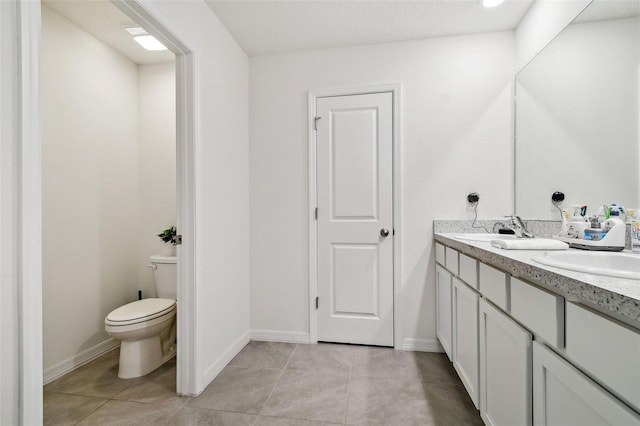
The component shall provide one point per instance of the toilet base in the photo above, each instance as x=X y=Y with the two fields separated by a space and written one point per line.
x=141 y=357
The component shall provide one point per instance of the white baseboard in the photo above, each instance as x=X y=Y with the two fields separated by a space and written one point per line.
x=421 y=345
x=280 y=336
x=222 y=361
x=78 y=360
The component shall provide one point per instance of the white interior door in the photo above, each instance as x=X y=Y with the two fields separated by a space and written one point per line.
x=355 y=219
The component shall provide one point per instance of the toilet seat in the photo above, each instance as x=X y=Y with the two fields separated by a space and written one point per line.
x=140 y=311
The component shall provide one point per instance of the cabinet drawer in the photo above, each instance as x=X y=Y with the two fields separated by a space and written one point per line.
x=451 y=260
x=539 y=310
x=468 y=270
x=440 y=253
x=607 y=350
x=494 y=285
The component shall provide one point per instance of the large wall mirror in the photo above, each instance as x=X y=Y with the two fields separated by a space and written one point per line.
x=577 y=115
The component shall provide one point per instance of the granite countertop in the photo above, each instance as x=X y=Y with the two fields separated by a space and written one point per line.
x=617 y=297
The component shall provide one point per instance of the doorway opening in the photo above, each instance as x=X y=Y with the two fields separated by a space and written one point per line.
x=108 y=175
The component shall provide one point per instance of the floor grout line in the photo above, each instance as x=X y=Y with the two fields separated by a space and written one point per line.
x=279 y=378
x=91 y=413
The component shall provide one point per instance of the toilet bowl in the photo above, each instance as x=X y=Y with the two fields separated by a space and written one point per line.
x=147 y=327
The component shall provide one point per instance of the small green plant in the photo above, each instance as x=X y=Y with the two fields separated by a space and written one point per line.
x=168 y=235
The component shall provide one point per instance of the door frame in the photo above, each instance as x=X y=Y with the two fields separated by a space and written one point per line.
x=28 y=208
x=396 y=91
x=158 y=26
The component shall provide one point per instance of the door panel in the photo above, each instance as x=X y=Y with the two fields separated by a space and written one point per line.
x=355 y=281
x=354 y=164
x=355 y=202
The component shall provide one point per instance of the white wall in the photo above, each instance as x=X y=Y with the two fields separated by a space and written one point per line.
x=90 y=186
x=157 y=163
x=543 y=21
x=222 y=183
x=456 y=138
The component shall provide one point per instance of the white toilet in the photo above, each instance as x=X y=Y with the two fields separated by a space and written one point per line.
x=147 y=327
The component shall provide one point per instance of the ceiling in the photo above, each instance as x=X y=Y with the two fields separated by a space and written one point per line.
x=105 y=22
x=265 y=27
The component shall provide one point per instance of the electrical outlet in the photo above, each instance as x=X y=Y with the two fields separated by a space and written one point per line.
x=473 y=199
x=557 y=197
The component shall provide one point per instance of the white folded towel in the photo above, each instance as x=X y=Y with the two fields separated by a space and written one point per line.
x=530 y=244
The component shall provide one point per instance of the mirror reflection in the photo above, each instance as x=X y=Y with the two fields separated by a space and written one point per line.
x=577 y=115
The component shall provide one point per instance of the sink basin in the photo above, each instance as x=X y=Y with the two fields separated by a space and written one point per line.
x=484 y=237
x=619 y=265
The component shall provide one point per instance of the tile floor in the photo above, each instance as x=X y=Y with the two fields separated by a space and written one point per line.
x=273 y=384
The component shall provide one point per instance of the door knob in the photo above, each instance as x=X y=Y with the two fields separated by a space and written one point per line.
x=384 y=232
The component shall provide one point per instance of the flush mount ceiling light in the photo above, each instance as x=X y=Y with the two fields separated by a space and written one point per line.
x=492 y=3
x=145 y=40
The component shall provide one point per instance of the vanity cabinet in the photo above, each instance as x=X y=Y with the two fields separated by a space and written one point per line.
x=505 y=369
x=564 y=396
x=527 y=356
x=443 y=309
x=465 y=337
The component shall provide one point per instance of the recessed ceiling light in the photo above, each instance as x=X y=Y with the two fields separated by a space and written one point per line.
x=492 y=3
x=149 y=42
x=145 y=40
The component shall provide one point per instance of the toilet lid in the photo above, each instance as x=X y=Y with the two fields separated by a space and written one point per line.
x=140 y=310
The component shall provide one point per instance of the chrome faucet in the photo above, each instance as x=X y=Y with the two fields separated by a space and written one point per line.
x=519 y=227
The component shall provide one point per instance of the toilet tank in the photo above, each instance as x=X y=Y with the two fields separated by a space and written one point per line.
x=165 y=275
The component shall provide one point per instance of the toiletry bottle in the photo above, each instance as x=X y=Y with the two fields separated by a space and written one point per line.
x=566 y=217
x=635 y=232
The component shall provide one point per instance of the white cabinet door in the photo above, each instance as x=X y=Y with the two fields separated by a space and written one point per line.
x=443 y=308
x=465 y=337
x=607 y=350
x=505 y=369
x=563 y=396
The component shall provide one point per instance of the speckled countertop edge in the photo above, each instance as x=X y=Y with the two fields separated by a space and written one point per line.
x=617 y=296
